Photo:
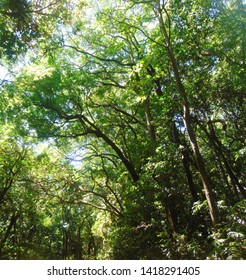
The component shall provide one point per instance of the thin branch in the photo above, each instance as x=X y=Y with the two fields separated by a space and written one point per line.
x=98 y=57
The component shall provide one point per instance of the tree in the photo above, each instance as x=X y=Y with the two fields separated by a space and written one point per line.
x=144 y=103
x=22 y=24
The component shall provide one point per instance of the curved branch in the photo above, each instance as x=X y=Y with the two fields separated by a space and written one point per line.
x=98 y=57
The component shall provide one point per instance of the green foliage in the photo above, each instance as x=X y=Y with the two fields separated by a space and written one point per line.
x=229 y=242
x=106 y=122
x=22 y=24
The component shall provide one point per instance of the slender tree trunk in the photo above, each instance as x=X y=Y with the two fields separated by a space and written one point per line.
x=172 y=213
x=7 y=185
x=170 y=203
x=219 y=149
x=64 y=245
x=214 y=214
x=91 y=246
x=207 y=185
x=185 y=159
x=224 y=165
x=13 y=221
x=79 y=245
x=150 y=126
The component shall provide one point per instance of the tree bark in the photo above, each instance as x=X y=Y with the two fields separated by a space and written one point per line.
x=150 y=126
x=13 y=221
x=207 y=185
x=219 y=149
x=185 y=160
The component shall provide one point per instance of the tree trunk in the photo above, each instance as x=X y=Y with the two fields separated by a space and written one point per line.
x=13 y=221
x=185 y=159
x=214 y=214
x=79 y=245
x=219 y=149
x=150 y=126
x=172 y=213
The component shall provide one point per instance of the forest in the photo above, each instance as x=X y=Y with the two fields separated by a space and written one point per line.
x=122 y=129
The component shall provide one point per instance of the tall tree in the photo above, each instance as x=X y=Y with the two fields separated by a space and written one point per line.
x=144 y=103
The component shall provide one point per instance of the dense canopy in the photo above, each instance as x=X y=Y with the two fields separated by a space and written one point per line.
x=123 y=129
